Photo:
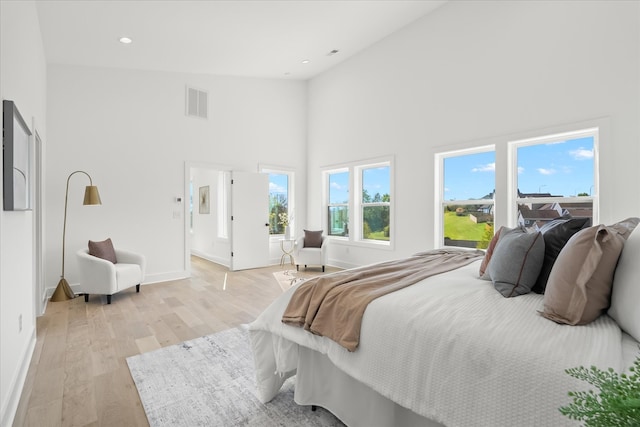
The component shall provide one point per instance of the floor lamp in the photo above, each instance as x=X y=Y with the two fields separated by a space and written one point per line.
x=63 y=291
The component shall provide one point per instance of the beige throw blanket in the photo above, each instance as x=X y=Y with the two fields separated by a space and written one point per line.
x=333 y=305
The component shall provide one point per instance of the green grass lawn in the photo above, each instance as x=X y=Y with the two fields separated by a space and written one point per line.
x=461 y=227
x=377 y=235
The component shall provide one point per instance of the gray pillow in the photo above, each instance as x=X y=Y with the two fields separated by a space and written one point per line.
x=312 y=239
x=516 y=262
x=103 y=250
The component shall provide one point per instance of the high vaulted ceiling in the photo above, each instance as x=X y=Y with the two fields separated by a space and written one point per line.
x=259 y=38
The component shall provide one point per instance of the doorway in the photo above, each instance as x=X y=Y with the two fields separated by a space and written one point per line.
x=225 y=223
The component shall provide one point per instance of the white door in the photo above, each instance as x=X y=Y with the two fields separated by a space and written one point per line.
x=249 y=220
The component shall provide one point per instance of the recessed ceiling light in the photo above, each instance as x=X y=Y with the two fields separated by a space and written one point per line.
x=125 y=40
x=333 y=52
x=305 y=61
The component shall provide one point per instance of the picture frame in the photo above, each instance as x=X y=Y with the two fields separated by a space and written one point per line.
x=16 y=157
x=204 y=200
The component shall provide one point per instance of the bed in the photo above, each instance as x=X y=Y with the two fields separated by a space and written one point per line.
x=450 y=350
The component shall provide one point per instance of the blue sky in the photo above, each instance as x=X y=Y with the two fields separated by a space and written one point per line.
x=339 y=187
x=374 y=180
x=563 y=168
x=278 y=183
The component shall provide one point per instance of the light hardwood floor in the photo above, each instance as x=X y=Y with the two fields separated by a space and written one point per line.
x=78 y=375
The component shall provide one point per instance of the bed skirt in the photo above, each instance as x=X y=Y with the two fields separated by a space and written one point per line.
x=319 y=382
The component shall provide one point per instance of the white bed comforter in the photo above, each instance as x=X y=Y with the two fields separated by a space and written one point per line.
x=452 y=349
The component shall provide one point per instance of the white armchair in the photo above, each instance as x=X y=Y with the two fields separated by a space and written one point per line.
x=100 y=276
x=310 y=255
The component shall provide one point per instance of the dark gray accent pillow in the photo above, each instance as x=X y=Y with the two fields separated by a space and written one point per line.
x=312 y=239
x=516 y=262
x=103 y=250
x=556 y=234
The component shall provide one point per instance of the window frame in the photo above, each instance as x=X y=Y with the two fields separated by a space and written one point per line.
x=290 y=172
x=329 y=205
x=355 y=205
x=505 y=196
x=360 y=205
x=440 y=201
x=512 y=156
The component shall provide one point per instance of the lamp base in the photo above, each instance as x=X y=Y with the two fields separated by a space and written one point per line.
x=63 y=291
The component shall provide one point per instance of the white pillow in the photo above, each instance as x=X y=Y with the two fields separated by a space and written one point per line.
x=625 y=294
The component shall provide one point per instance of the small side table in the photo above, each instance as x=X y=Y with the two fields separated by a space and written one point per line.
x=287 y=246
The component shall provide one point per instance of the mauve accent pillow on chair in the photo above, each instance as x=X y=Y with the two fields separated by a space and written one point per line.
x=516 y=262
x=103 y=250
x=489 y=253
x=625 y=293
x=579 y=286
x=312 y=239
x=556 y=234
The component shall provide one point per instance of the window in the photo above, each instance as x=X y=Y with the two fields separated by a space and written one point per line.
x=376 y=202
x=544 y=178
x=338 y=208
x=466 y=207
x=281 y=205
x=359 y=202
x=554 y=176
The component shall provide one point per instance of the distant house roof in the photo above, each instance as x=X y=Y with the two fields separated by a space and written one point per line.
x=533 y=195
x=580 y=212
x=539 y=214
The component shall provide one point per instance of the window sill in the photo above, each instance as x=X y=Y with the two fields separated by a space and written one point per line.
x=372 y=244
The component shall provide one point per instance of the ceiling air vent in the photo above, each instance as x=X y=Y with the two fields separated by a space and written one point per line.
x=197 y=103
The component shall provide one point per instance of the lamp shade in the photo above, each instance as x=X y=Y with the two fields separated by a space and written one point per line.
x=91 y=196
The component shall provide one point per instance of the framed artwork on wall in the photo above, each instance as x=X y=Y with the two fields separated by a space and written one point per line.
x=16 y=157
x=204 y=200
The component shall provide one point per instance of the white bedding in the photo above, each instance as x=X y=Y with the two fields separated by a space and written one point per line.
x=452 y=349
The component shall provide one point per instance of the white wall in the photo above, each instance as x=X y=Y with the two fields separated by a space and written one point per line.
x=205 y=240
x=128 y=130
x=474 y=70
x=23 y=80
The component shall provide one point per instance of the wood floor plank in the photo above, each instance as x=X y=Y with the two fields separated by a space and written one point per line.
x=78 y=375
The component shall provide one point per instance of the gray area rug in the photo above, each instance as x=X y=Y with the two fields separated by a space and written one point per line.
x=210 y=381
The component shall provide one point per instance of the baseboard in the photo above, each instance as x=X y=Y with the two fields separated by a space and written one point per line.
x=341 y=264
x=165 y=277
x=149 y=279
x=10 y=406
x=209 y=257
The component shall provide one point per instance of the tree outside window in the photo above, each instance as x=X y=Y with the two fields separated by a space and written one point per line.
x=278 y=201
x=376 y=202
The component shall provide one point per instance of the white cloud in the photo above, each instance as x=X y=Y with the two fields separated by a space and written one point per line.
x=544 y=171
x=336 y=186
x=520 y=170
x=489 y=167
x=446 y=189
x=582 y=154
x=275 y=188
